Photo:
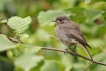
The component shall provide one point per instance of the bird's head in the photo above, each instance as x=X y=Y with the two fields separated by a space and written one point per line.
x=61 y=19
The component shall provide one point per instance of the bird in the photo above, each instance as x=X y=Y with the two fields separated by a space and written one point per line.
x=68 y=32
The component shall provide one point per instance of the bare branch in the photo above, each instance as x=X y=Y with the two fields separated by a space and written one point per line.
x=88 y=66
x=64 y=51
x=76 y=54
x=11 y=39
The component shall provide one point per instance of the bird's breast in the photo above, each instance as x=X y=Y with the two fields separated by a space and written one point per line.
x=68 y=41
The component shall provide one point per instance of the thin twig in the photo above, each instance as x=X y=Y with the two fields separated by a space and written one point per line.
x=11 y=39
x=102 y=49
x=10 y=29
x=88 y=66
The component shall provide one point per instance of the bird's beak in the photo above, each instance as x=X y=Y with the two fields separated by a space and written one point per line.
x=53 y=20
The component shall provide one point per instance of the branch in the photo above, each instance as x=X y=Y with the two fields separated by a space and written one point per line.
x=59 y=50
x=76 y=54
x=12 y=39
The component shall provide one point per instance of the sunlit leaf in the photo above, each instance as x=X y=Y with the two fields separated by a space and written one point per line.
x=19 y=24
x=6 y=44
x=24 y=36
x=27 y=61
x=30 y=48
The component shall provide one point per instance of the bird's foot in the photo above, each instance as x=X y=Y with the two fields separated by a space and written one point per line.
x=73 y=52
x=66 y=51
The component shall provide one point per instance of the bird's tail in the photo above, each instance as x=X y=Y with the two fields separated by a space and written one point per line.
x=86 y=50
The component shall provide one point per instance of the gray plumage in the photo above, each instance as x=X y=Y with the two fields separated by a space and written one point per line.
x=69 y=33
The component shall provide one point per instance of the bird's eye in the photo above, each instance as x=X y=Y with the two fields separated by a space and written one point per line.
x=59 y=20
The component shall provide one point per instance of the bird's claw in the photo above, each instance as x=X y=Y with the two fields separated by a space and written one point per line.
x=66 y=51
x=73 y=52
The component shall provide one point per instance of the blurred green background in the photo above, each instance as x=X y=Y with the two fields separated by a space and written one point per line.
x=90 y=15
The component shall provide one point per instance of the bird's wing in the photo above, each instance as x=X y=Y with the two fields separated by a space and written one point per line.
x=76 y=34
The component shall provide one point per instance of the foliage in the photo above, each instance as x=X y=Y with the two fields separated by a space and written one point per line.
x=19 y=24
x=26 y=34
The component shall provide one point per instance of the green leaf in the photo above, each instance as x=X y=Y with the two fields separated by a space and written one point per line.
x=87 y=1
x=78 y=18
x=77 y=10
x=6 y=44
x=92 y=14
x=15 y=52
x=31 y=49
x=24 y=36
x=50 y=66
x=45 y=18
x=77 y=14
x=19 y=24
x=27 y=61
